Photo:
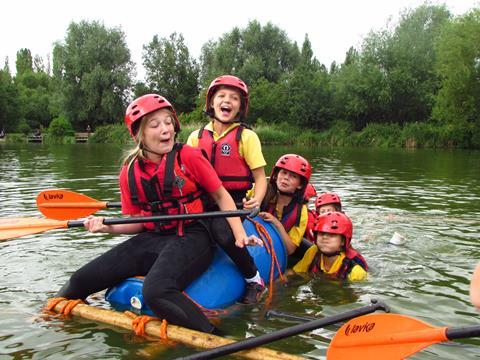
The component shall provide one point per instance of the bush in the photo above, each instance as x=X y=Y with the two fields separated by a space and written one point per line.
x=60 y=127
x=12 y=138
x=195 y=117
x=111 y=134
x=341 y=133
x=24 y=128
x=380 y=135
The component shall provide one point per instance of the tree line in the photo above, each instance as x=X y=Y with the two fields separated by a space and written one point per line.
x=422 y=73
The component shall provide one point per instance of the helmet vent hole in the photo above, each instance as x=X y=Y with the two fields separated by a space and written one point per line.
x=135 y=112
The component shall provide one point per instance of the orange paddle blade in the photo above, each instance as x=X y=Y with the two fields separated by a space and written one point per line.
x=383 y=336
x=17 y=227
x=65 y=205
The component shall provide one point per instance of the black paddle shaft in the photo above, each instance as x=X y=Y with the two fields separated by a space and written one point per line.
x=290 y=331
x=159 y=218
x=462 y=332
x=113 y=204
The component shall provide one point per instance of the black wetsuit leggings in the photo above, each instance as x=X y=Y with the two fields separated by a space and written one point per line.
x=168 y=262
x=223 y=236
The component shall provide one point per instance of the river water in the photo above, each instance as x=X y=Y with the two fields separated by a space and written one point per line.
x=431 y=197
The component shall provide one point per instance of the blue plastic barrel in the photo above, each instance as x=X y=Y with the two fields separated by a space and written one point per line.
x=218 y=287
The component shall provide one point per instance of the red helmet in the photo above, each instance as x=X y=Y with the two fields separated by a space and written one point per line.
x=144 y=105
x=294 y=163
x=309 y=192
x=326 y=199
x=228 y=80
x=335 y=223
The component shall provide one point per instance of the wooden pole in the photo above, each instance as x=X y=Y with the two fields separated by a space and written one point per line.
x=175 y=333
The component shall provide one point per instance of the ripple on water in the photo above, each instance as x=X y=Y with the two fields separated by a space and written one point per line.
x=435 y=209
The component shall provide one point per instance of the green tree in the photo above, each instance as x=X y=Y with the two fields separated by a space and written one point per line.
x=406 y=57
x=171 y=71
x=360 y=92
x=34 y=96
x=10 y=113
x=252 y=53
x=24 y=61
x=94 y=70
x=309 y=94
x=412 y=77
x=458 y=66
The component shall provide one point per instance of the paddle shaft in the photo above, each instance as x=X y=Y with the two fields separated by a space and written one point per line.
x=290 y=331
x=159 y=218
x=113 y=204
x=462 y=332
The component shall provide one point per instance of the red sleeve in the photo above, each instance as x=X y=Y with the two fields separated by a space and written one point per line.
x=127 y=207
x=200 y=169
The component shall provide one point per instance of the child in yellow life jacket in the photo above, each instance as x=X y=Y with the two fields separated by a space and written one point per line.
x=332 y=254
x=235 y=152
x=284 y=205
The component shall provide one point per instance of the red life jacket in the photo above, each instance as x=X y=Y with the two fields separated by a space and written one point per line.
x=291 y=214
x=170 y=191
x=352 y=258
x=225 y=158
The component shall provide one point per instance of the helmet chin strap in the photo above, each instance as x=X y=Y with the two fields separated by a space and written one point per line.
x=209 y=114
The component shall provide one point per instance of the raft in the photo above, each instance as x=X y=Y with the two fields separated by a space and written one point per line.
x=222 y=284
x=175 y=333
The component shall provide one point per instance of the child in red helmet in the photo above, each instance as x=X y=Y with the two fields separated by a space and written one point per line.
x=328 y=202
x=236 y=154
x=332 y=254
x=284 y=205
x=159 y=176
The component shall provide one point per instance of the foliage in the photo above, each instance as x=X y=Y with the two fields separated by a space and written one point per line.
x=59 y=127
x=251 y=53
x=171 y=71
x=10 y=112
x=94 y=70
x=15 y=138
x=111 y=134
x=414 y=83
x=379 y=135
x=194 y=117
x=23 y=127
x=459 y=68
x=33 y=95
x=24 y=61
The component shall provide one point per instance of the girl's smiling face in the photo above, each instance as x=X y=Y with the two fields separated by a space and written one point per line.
x=226 y=103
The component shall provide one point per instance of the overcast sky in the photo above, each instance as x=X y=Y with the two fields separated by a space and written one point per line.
x=332 y=26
